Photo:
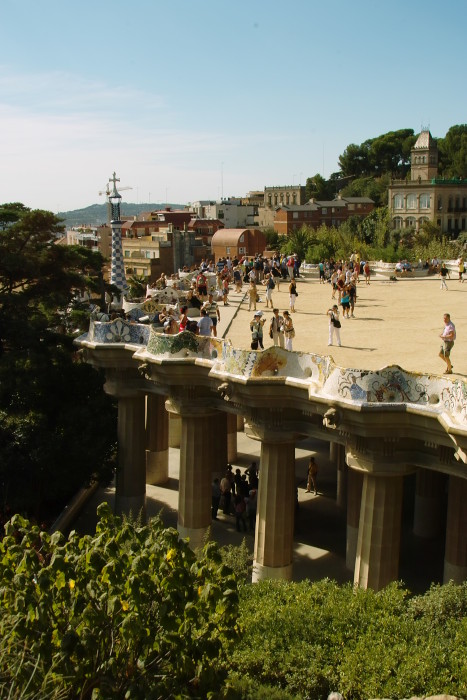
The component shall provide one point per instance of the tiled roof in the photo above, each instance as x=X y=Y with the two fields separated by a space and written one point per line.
x=424 y=141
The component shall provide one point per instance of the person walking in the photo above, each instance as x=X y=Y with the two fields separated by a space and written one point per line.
x=270 y=284
x=443 y=273
x=366 y=272
x=448 y=337
x=311 y=476
x=256 y=328
x=461 y=268
x=334 y=325
x=292 y=294
x=252 y=295
x=289 y=331
x=345 y=303
x=276 y=330
x=212 y=310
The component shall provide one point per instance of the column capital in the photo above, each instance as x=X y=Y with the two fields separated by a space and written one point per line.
x=189 y=408
x=376 y=463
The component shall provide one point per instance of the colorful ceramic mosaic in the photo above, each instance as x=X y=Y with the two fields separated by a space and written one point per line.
x=322 y=377
x=118 y=331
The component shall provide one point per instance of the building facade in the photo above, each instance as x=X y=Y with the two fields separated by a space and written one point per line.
x=314 y=213
x=427 y=197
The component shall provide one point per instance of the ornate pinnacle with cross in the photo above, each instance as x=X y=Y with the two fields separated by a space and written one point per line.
x=114 y=179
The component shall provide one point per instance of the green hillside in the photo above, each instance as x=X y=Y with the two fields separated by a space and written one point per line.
x=96 y=214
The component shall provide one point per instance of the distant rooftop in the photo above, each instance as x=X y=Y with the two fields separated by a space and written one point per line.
x=425 y=140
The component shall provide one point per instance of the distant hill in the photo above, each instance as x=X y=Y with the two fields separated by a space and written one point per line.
x=96 y=214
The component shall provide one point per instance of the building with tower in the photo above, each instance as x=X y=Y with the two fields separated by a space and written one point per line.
x=427 y=197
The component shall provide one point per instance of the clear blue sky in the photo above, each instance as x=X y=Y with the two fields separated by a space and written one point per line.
x=194 y=99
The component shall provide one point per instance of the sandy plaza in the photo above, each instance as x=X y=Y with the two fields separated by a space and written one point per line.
x=396 y=323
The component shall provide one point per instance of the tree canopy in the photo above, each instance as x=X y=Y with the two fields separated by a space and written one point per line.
x=388 y=153
x=453 y=152
x=56 y=424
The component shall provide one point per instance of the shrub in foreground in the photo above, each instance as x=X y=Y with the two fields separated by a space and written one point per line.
x=127 y=613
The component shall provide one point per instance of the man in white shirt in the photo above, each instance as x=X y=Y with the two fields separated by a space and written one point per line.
x=448 y=337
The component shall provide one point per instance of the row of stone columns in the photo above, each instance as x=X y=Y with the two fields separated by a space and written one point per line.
x=374 y=513
x=207 y=441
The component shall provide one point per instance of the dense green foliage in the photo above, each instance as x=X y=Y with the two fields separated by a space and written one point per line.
x=57 y=427
x=389 y=153
x=130 y=612
x=312 y=638
x=453 y=152
x=374 y=238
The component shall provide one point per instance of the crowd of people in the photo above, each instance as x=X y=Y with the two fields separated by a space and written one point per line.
x=237 y=495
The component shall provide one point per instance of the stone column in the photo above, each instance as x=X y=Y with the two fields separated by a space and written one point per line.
x=273 y=553
x=196 y=466
x=231 y=437
x=377 y=559
x=342 y=476
x=130 y=489
x=455 y=554
x=354 y=500
x=333 y=451
x=428 y=506
x=240 y=423
x=157 y=440
x=219 y=442
x=175 y=427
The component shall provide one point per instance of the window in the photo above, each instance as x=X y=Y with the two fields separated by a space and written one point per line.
x=398 y=201
x=324 y=210
x=242 y=238
x=397 y=222
x=295 y=214
x=127 y=253
x=411 y=201
x=227 y=251
x=424 y=201
x=410 y=222
x=440 y=203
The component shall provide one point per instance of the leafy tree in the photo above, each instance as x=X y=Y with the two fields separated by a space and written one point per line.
x=130 y=612
x=388 y=153
x=319 y=188
x=9 y=213
x=298 y=242
x=137 y=286
x=57 y=427
x=355 y=160
x=376 y=188
x=274 y=240
x=453 y=152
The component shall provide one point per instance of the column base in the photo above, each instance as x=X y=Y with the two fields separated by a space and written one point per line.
x=455 y=573
x=261 y=572
x=131 y=505
x=196 y=535
x=157 y=467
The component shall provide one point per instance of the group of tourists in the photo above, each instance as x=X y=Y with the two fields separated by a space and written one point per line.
x=237 y=494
